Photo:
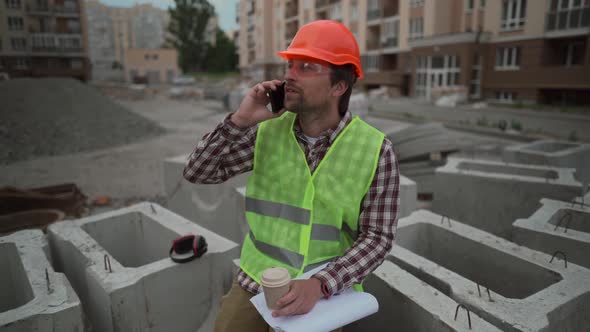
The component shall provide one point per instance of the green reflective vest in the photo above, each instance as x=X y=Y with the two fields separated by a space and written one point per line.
x=299 y=220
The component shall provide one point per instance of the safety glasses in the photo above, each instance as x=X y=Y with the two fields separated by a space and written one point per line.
x=306 y=68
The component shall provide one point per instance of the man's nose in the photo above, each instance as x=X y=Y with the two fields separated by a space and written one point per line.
x=290 y=73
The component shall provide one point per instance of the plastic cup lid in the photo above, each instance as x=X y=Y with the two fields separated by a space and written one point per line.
x=275 y=277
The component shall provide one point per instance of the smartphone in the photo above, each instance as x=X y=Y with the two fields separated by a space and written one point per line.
x=277 y=98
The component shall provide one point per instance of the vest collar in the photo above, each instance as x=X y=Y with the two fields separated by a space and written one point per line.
x=331 y=133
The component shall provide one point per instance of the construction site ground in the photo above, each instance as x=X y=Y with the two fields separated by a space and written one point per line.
x=133 y=172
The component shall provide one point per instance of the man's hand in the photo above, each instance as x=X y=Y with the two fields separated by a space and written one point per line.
x=253 y=109
x=300 y=299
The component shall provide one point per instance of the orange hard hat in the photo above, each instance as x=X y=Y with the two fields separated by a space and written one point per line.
x=326 y=40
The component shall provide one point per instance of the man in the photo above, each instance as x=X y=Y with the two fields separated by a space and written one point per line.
x=324 y=185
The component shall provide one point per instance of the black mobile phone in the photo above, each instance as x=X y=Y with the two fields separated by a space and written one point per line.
x=277 y=98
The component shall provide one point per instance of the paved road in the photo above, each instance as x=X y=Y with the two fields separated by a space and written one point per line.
x=558 y=125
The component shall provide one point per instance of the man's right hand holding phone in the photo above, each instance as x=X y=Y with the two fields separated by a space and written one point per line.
x=253 y=109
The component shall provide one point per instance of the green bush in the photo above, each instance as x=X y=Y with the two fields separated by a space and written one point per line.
x=573 y=137
x=502 y=125
x=483 y=122
x=516 y=125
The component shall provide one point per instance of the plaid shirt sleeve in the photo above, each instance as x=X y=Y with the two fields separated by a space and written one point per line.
x=225 y=152
x=377 y=228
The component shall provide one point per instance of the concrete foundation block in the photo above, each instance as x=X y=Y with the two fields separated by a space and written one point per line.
x=492 y=195
x=557 y=226
x=118 y=264
x=553 y=153
x=526 y=291
x=33 y=297
x=217 y=207
x=408 y=304
x=408 y=192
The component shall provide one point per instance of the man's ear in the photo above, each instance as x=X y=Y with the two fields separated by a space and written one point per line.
x=339 y=88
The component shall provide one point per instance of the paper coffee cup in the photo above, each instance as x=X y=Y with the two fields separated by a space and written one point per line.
x=275 y=282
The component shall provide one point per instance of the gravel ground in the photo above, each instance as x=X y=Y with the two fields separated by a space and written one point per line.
x=58 y=116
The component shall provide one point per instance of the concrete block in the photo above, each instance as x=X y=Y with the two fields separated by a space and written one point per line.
x=217 y=207
x=557 y=226
x=553 y=153
x=142 y=289
x=33 y=296
x=421 y=140
x=492 y=195
x=526 y=291
x=408 y=193
x=408 y=304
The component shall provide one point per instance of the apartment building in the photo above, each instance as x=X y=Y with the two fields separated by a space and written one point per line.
x=40 y=38
x=113 y=30
x=501 y=50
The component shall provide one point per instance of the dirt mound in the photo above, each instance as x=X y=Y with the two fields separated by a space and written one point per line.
x=56 y=116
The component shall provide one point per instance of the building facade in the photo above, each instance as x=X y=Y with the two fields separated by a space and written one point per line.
x=113 y=30
x=40 y=38
x=154 y=66
x=502 y=50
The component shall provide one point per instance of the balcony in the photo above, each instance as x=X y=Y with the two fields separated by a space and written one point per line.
x=61 y=44
x=373 y=14
x=291 y=10
x=53 y=10
x=321 y=3
x=574 y=19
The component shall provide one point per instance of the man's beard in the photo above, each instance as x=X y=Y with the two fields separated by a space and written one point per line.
x=299 y=106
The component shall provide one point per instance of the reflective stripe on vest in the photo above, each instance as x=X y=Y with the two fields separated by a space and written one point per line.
x=278 y=210
x=298 y=215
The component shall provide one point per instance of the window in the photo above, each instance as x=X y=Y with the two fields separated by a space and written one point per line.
x=416 y=27
x=568 y=14
x=21 y=63
x=371 y=63
x=373 y=11
x=76 y=64
x=15 y=23
x=416 y=3
x=432 y=71
x=482 y=4
x=390 y=33
x=354 y=12
x=470 y=4
x=508 y=58
x=505 y=96
x=573 y=54
x=475 y=84
x=15 y=4
x=513 y=14
x=19 y=44
x=335 y=12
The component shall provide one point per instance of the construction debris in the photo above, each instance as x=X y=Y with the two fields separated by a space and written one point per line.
x=65 y=197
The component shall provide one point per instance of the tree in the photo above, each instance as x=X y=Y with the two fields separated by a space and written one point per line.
x=188 y=23
x=222 y=56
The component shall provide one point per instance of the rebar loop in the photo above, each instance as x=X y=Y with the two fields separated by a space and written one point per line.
x=468 y=315
x=562 y=254
x=107 y=262
x=442 y=220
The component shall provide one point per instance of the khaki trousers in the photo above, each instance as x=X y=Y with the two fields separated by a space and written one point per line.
x=237 y=313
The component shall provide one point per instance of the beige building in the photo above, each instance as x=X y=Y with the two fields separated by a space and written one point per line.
x=151 y=66
x=43 y=38
x=503 y=50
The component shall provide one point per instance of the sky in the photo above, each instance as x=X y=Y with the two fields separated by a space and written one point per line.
x=225 y=9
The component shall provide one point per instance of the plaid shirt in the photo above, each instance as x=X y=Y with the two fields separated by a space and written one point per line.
x=229 y=150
